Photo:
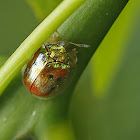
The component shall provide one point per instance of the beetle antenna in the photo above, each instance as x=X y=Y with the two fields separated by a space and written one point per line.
x=79 y=45
x=62 y=37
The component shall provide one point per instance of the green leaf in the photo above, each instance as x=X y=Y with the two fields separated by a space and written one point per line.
x=106 y=102
x=16 y=24
x=24 y=116
x=2 y=60
x=42 y=8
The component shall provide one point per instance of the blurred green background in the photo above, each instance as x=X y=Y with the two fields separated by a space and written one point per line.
x=17 y=21
x=105 y=101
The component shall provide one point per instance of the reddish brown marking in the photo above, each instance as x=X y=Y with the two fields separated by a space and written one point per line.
x=56 y=72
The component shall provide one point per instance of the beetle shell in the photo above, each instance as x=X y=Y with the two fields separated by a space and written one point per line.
x=50 y=70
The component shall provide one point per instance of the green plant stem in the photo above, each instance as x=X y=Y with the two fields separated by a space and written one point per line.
x=35 y=39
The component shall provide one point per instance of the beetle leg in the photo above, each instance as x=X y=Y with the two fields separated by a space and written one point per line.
x=73 y=57
x=55 y=38
x=62 y=37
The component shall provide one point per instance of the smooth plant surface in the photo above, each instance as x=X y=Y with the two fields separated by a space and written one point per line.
x=108 y=91
x=42 y=8
x=66 y=116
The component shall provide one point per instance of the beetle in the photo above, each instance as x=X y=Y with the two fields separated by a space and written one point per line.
x=51 y=68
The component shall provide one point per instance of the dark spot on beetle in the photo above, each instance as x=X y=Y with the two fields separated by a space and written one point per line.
x=34 y=63
x=52 y=88
x=50 y=76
